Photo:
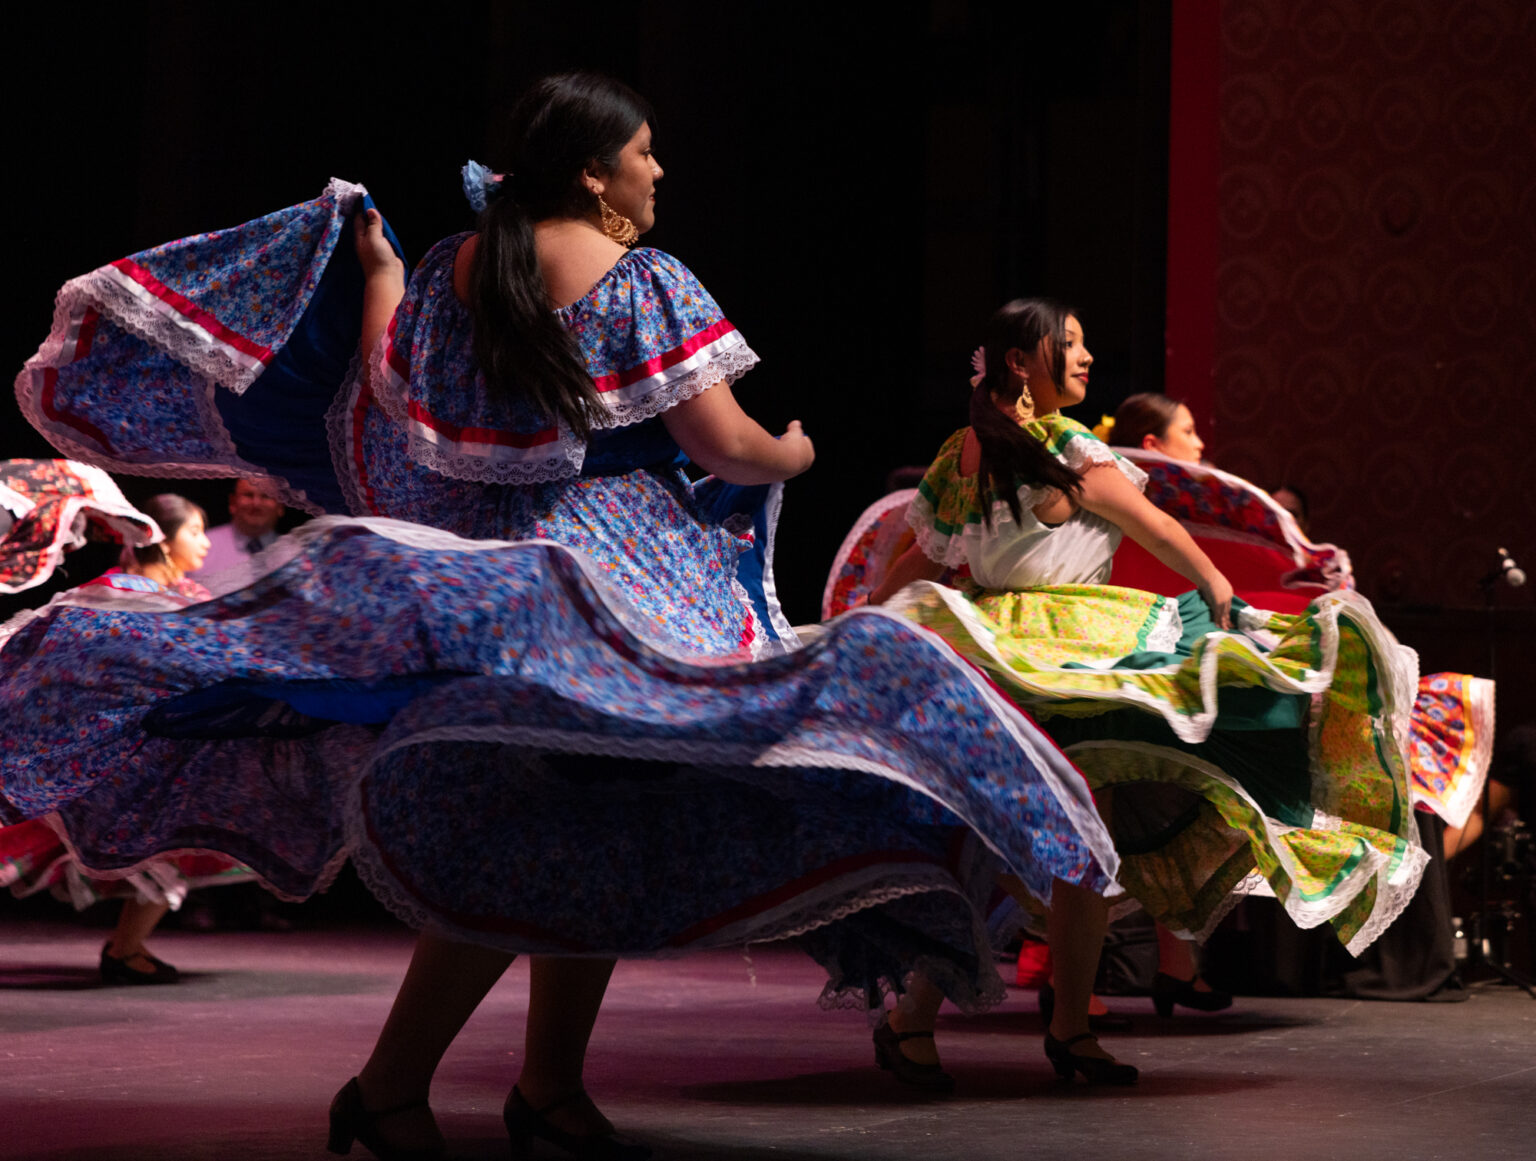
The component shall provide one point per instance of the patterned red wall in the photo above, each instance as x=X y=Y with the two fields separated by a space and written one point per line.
x=1376 y=278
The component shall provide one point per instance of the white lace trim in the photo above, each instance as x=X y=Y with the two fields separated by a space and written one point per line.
x=1398 y=666
x=787 y=641
x=1064 y=780
x=497 y=464
x=107 y=505
x=1397 y=670
x=957 y=987
x=160 y=324
x=727 y=362
x=945 y=548
x=1169 y=627
x=635 y=622
x=826 y=903
x=155 y=867
x=1060 y=777
x=58 y=351
x=125 y=303
x=1395 y=878
x=1083 y=452
x=562 y=462
x=806 y=911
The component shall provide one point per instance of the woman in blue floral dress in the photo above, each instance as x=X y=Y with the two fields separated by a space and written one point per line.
x=534 y=681
x=51 y=497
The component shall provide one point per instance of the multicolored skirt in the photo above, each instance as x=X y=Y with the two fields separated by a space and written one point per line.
x=1270 y=758
x=1270 y=563
x=33 y=858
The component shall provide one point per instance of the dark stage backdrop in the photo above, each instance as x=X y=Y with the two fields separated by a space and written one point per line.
x=858 y=185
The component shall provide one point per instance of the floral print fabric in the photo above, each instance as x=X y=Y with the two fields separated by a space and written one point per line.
x=651 y=337
x=508 y=678
x=33 y=856
x=55 y=506
x=524 y=703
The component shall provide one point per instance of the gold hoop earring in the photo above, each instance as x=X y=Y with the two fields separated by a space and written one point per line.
x=616 y=226
x=1024 y=405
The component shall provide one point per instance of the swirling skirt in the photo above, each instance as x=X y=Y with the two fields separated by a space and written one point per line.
x=1271 y=759
x=489 y=731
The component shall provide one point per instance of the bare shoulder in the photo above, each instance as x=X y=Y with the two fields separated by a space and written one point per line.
x=1105 y=489
x=970 y=454
x=573 y=258
x=463 y=263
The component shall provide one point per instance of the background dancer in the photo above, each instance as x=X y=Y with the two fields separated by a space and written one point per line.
x=1194 y=736
x=32 y=857
x=1451 y=742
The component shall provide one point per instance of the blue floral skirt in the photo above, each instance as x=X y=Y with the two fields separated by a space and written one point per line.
x=489 y=730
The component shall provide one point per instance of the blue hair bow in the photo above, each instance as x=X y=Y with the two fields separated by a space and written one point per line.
x=479 y=184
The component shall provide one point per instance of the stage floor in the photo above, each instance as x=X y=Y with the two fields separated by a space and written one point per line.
x=726 y=1056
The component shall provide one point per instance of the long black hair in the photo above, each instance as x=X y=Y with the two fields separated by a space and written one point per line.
x=1009 y=455
x=559 y=128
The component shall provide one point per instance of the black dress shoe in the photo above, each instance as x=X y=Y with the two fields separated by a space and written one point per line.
x=1095 y=1069
x=118 y=971
x=350 y=1121
x=524 y=1122
x=1168 y=991
x=889 y=1056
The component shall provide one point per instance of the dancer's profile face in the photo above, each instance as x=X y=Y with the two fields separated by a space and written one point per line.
x=630 y=188
x=189 y=546
x=1180 y=441
x=1076 y=361
x=1048 y=394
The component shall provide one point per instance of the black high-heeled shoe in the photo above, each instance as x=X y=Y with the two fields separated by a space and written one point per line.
x=115 y=969
x=889 y=1056
x=350 y=1121
x=1095 y=1069
x=1168 y=990
x=1105 y=1022
x=524 y=1122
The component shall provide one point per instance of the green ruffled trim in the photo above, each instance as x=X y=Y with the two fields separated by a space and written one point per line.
x=951 y=497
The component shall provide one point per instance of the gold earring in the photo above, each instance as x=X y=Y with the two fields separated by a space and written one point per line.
x=616 y=225
x=1024 y=405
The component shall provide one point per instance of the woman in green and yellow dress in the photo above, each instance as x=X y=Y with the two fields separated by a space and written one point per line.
x=1231 y=750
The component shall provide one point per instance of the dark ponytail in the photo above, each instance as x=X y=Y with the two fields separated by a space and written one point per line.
x=1010 y=456
x=560 y=127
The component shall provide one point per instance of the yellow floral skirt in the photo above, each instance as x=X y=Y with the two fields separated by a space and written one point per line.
x=1267 y=759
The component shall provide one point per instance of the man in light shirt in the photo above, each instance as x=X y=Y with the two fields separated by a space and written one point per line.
x=253 y=515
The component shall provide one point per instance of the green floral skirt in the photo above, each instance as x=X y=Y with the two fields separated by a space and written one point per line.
x=1266 y=759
